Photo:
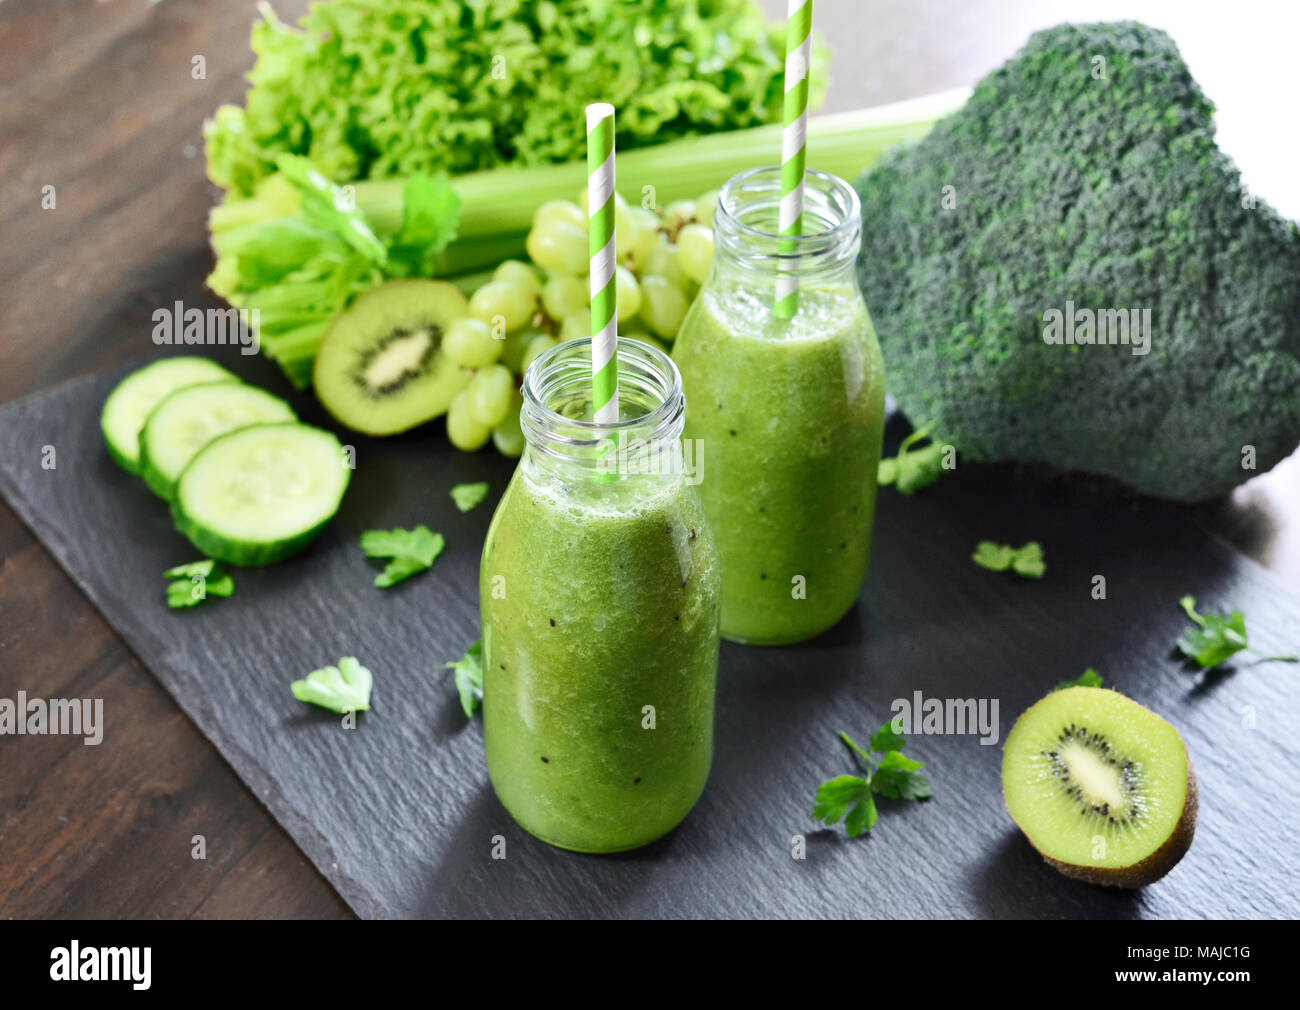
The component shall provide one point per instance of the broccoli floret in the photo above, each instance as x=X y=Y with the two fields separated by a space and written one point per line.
x=1085 y=170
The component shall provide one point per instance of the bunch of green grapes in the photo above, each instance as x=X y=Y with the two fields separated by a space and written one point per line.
x=527 y=308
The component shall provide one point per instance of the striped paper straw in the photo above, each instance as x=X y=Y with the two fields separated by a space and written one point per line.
x=600 y=243
x=798 y=51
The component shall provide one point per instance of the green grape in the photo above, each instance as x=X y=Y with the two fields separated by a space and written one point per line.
x=575 y=325
x=563 y=295
x=508 y=436
x=488 y=395
x=663 y=263
x=512 y=302
x=705 y=206
x=509 y=443
x=558 y=247
x=637 y=327
x=629 y=293
x=561 y=211
x=463 y=431
x=624 y=231
x=535 y=347
x=645 y=237
x=663 y=306
x=469 y=342
x=678 y=213
x=520 y=273
x=514 y=348
x=695 y=252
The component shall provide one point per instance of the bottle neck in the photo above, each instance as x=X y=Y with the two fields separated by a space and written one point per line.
x=564 y=443
x=748 y=245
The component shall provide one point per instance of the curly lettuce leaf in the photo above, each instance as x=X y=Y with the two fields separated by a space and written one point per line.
x=372 y=90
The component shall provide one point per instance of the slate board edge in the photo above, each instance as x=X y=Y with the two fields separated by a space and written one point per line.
x=300 y=829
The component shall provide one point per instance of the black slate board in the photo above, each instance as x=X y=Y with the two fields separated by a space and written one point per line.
x=398 y=813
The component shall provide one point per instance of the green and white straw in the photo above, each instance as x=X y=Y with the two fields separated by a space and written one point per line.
x=794 y=147
x=600 y=229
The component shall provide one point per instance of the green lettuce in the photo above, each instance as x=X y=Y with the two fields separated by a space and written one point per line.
x=375 y=89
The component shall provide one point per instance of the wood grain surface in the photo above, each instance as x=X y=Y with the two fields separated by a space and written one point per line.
x=99 y=101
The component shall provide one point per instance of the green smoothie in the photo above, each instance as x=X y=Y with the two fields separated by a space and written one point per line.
x=599 y=602
x=790 y=414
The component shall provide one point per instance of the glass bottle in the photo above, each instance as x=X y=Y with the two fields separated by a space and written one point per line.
x=599 y=597
x=789 y=413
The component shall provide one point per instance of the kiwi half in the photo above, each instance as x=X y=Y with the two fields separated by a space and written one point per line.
x=1102 y=787
x=380 y=367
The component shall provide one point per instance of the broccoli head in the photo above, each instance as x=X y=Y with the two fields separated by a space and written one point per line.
x=1080 y=179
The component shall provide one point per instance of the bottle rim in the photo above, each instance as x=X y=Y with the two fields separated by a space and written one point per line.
x=829 y=201
x=643 y=369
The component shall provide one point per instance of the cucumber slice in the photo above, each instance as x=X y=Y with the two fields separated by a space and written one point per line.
x=190 y=418
x=134 y=398
x=262 y=493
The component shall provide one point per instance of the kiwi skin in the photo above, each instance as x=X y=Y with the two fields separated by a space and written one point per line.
x=1154 y=866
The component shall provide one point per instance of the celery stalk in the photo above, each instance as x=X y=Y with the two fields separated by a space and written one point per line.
x=500 y=202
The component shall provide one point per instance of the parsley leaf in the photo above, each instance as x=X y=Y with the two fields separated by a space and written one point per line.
x=195 y=582
x=887 y=739
x=469 y=677
x=1029 y=561
x=466 y=496
x=412 y=551
x=430 y=214
x=900 y=778
x=1090 y=678
x=913 y=469
x=894 y=776
x=343 y=688
x=847 y=794
x=1026 y=561
x=1215 y=638
x=994 y=557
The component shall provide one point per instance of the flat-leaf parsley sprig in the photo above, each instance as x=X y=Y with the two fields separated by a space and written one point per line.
x=913 y=469
x=1025 y=561
x=466 y=496
x=411 y=551
x=1090 y=678
x=892 y=775
x=193 y=583
x=469 y=678
x=344 y=688
x=1215 y=638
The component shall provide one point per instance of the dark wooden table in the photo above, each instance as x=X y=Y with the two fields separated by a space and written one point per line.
x=100 y=101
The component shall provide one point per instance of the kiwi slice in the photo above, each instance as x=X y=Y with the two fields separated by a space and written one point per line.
x=380 y=367
x=1102 y=787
